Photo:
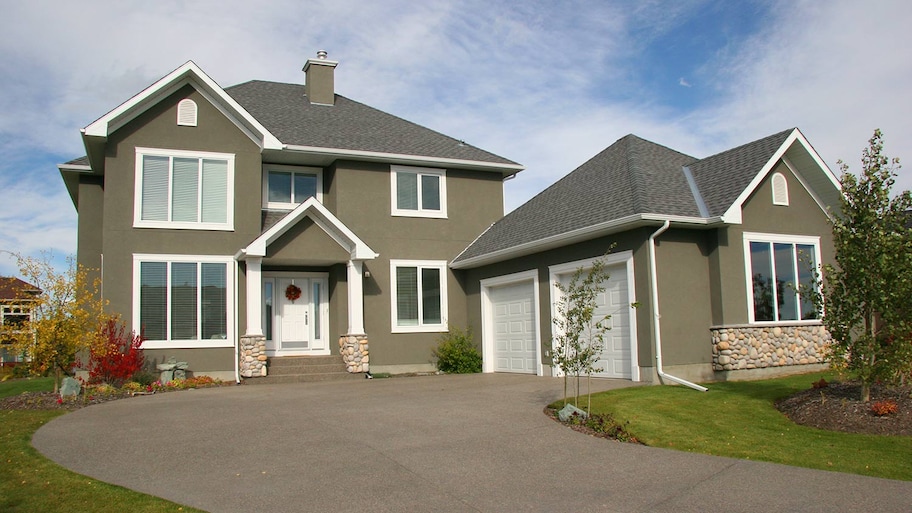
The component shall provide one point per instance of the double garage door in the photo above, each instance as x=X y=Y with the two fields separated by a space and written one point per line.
x=515 y=321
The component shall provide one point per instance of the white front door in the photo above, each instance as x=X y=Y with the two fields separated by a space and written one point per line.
x=293 y=315
x=296 y=308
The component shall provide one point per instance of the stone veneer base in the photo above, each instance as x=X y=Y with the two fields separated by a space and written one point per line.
x=252 y=357
x=355 y=353
x=760 y=347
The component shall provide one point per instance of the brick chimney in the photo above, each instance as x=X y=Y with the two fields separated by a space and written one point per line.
x=319 y=84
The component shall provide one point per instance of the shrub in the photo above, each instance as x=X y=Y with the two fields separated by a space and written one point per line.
x=456 y=354
x=118 y=358
x=604 y=424
x=882 y=408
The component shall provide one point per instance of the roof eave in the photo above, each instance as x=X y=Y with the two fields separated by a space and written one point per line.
x=584 y=234
x=399 y=158
x=70 y=174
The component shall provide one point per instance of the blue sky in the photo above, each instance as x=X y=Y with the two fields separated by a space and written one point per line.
x=545 y=83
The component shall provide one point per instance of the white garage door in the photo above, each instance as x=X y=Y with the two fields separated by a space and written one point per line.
x=514 y=327
x=614 y=301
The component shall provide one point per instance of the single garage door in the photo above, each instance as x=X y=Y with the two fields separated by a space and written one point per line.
x=614 y=361
x=514 y=327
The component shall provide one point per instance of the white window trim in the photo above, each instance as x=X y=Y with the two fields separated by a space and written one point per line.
x=138 y=222
x=487 y=314
x=444 y=311
x=229 y=300
x=289 y=169
x=624 y=258
x=748 y=277
x=433 y=214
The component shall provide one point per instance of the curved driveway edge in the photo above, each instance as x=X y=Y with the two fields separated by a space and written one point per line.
x=438 y=443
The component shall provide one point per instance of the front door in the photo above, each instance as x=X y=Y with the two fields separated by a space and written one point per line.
x=295 y=311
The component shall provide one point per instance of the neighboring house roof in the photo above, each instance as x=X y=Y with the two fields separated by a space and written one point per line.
x=347 y=125
x=634 y=183
x=12 y=289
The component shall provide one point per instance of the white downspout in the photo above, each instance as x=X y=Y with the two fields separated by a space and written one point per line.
x=237 y=336
x=656 y=323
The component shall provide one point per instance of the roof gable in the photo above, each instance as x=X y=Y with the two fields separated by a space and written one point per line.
x=321 y=217
x=189 y=73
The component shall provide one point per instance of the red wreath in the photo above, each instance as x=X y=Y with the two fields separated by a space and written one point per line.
x=293 y=292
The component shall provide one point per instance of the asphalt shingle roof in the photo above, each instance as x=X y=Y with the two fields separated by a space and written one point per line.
x=14 y=288
x=285 y=111
x=632 y=176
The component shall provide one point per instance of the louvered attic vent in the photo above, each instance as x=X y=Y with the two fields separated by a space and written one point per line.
x=780 y=190
x=186 y=113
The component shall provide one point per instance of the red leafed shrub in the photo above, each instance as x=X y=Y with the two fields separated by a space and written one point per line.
x=881 y=408
x=820 y=384
x=118 y=358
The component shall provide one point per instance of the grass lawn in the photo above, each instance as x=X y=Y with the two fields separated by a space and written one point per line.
x=30 y=482
x=738 y=420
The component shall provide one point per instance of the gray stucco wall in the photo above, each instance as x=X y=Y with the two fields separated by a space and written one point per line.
x=361 y=195
x=90 y=224
x=157 y=128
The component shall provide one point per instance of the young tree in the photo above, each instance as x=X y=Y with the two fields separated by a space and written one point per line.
x=66 y=317
x=867 y=295
x=580 y=336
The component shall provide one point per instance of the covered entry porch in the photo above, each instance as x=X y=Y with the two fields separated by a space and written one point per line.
x=289 y=289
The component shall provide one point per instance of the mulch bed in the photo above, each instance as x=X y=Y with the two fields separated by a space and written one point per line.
x=836 y=407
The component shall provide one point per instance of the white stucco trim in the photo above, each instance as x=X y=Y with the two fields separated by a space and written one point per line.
x=323 y=218
x=188 y=73
x=487 y=312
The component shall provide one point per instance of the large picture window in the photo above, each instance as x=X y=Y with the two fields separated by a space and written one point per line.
x=182 y=301
x=184 y=190
x=419 y=295
x=780 y=272
x=418 y=192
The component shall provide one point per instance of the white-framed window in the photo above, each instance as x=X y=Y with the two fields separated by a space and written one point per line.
x=183 y=300
x=286 y=187
x=780 y=190
x=418 y=192
x=419 y=295
x=184 y=190
x=779 y=269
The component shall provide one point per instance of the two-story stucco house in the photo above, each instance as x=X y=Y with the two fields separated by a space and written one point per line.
x=269 y=220
x=246 y=227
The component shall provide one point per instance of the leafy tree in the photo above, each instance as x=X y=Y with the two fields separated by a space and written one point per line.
x=867 y=295
x=580 y=336
x=66 y=317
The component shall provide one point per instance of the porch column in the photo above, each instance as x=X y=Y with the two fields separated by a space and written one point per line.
x=252 y=345
x=355 y=297
x=254 y=296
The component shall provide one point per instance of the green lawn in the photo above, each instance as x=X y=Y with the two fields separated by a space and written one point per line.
x=738 y=420
x=30 y=482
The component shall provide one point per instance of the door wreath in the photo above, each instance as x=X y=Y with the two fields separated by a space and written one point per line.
x=293 y=292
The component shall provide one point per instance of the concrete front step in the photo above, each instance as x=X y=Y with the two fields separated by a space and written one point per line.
x=302 y=369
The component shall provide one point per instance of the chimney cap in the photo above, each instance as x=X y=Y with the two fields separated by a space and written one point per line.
x=321 y=54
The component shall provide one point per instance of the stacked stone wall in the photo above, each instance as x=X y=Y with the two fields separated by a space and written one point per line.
x=354 y=350
x=252 y=356
x=759 y=347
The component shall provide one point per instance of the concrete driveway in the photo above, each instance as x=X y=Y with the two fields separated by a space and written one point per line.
x=436 y=443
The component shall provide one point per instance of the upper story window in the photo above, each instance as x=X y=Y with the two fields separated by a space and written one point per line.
x=780 y=190
x=285 y=187
x=780 y=270
x=184 y=190
x=418 y=192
